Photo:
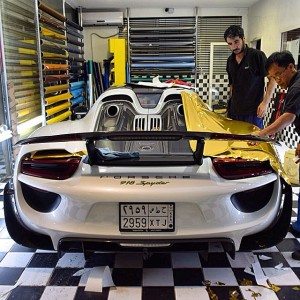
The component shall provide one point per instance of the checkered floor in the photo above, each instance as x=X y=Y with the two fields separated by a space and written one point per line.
x=34 y=274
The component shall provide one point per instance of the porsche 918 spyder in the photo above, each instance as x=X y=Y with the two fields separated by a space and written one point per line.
x=147 y=168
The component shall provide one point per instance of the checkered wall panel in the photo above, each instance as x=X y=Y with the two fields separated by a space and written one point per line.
x=220 y=87
x=288 y=135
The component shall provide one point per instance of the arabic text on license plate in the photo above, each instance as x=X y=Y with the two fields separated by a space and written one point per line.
x=147 y=216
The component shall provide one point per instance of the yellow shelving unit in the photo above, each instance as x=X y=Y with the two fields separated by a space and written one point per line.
x=117 y=47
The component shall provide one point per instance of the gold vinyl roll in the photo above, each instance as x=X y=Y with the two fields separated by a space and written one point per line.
x=28 y=73
x=59 y=118
x=27 y=62
x=60 y=67
x=47 y=32
x=27 y=92
x=57 y=98
x=54 y=55
x=25 y=86
x=29 y=116
x=26 y=111
x=26 y=51
x=52 y=44
x=55 y=88
x=56 y=109
x=32 y=42
x=14 y=69
x=28 y=98
x=28 y=105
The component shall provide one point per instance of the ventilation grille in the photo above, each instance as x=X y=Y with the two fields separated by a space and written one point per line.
x=147 y=123
x=140 y=123
x=154 y=123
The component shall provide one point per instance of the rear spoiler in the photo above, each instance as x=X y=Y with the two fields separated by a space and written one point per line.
x=91 y=137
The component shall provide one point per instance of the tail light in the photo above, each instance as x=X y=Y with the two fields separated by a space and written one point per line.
x=238 y=168
x=58 y=168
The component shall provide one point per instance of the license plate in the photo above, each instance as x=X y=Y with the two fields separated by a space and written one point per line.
x=148 y=217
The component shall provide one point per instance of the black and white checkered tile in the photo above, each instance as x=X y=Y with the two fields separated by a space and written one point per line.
x=35 y=274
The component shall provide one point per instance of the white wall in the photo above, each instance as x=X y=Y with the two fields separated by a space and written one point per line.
x=267 y=19
x=97 y=48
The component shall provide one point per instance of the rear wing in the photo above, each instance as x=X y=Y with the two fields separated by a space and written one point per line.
x=95 y=159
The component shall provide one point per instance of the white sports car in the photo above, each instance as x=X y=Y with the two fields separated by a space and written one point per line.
x=147 y=168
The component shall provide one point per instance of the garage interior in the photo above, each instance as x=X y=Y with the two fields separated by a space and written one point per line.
x=59 y=56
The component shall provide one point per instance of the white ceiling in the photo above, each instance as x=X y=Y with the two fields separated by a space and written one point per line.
x=104 y=4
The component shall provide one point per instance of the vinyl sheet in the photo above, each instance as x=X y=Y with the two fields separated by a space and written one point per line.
x=57 y=98
x=74 y=33
x=74 y=42
x=75 y=59
x=55 y=67
x=74 y=50
x=26 y=51
x=51 y=22
x=59 y=77
x=28 y=105
x=52 y=44
x=55 y=88
x=200 y=118
x=26 y=111
x=53 y=110
x=59 y=118
x=77 y=100
x=77 y=92
x=29 y=98
x=47 y=32
x=163 y=65
x=20 y=68
x=46 y=54
x=180 y=58
x=51 y=11
x=76 y=85
x=26 y=92
x=73 y=24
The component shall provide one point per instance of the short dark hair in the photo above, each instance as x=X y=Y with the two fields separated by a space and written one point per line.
x=233 y=31
x=282 y=59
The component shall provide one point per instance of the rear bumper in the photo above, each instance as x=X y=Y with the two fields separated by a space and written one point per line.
x=159 y=245
x=28 y=237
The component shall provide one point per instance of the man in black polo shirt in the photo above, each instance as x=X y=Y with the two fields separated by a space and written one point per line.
x=281 y=67
x=246 y=72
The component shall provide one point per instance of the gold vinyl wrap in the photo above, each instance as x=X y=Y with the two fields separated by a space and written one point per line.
x=199 y=117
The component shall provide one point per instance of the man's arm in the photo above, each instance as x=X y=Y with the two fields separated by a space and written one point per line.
x=283 y=121
x=262 y=108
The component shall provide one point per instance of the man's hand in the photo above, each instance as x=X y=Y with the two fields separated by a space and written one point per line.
x=253 y=143
x=262 y=109
x=297 y=154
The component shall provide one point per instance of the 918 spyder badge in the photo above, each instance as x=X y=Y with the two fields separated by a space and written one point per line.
x=143 y=182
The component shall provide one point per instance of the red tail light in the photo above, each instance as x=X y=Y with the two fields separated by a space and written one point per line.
x=51 y=168
x=238 y=168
